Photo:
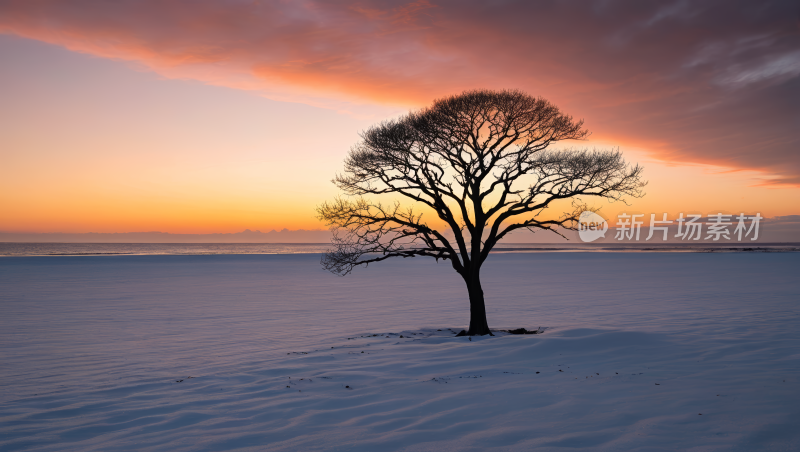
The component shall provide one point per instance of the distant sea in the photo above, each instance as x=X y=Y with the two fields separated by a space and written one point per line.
x=111 y=249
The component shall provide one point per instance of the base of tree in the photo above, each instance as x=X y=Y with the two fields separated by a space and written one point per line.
x=465 y=333
x=516 y=331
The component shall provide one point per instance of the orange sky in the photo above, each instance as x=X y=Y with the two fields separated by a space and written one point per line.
x=149 y=117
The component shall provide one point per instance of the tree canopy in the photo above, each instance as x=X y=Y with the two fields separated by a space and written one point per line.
x=483 y=162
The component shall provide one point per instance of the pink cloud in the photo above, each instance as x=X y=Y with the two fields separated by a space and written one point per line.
x=702 y=82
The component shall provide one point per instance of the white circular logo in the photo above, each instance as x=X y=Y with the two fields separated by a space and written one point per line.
x=591 y=226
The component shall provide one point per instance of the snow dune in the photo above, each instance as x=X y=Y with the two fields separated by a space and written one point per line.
x=98 y=352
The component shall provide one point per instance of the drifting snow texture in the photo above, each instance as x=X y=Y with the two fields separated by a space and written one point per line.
x=97 y=353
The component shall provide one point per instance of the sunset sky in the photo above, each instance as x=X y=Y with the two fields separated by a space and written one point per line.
x=216 y=116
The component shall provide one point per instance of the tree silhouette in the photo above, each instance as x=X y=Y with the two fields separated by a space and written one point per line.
x=482 y=162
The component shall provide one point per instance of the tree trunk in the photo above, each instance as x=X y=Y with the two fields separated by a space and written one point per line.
x=478 y=326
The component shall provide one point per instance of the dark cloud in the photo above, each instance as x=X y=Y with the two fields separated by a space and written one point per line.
x=713 y=82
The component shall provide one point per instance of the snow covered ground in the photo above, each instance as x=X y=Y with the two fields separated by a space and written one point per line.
x=643 y=351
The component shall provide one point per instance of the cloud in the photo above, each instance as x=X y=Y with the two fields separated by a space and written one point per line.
x=712 y=82
x=774 y=68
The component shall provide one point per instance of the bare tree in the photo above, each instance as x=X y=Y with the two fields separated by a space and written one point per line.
x=482 y=162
